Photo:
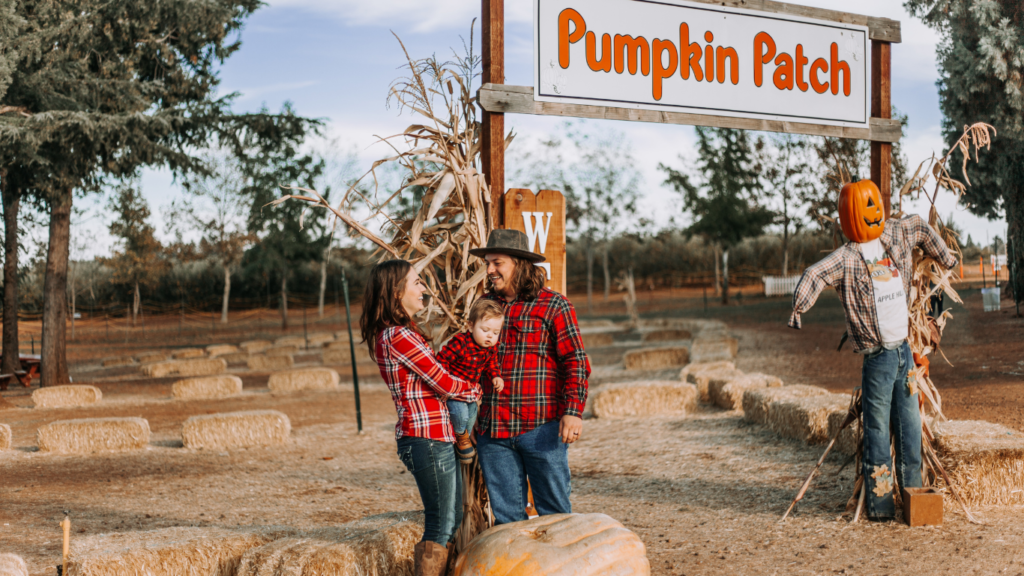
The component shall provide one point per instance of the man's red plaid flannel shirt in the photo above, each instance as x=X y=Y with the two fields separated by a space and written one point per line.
x=466 y=359
x=541 y=359
x=419 y=385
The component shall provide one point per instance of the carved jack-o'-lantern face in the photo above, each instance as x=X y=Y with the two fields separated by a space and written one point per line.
x=861 y=213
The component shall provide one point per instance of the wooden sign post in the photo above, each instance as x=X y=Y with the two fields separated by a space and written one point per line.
x=542 y=218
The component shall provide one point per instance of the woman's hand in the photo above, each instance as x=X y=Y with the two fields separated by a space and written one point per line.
x=569 y=428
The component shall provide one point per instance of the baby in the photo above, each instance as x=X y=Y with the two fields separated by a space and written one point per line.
x=471 y=356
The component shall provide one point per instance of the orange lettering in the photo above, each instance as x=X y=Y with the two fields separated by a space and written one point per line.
x=661 y=72
x=734 y=69
x=800 y=61
x=709 y=63
x=783 y=77
x=627 y=47
x=837 y=66
x=565 y=37
x=689 y=55
x=605 y=63
x=761 y=56
x=819 y=64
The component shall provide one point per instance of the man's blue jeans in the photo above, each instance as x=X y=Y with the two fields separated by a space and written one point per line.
x=433 y=465
x=538 y=455
x=887 y=401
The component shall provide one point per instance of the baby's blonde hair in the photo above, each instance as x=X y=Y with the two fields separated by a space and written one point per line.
x=485 y=309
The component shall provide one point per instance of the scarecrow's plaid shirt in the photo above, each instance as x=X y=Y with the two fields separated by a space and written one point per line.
x=846 y=271
x=466 y=359
x=541 y=359
x=419 y=385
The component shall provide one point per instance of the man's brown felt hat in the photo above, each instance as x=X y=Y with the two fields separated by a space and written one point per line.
x=510 y=242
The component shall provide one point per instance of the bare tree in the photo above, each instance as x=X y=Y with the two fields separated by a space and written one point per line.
x=788 y=172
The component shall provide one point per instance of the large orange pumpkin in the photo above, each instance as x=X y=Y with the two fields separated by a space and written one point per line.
x=861 y=212
x=556 y=545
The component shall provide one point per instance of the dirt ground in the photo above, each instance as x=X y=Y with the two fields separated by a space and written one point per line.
x=704 y=492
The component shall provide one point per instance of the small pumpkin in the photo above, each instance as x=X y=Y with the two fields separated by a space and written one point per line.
x=861 y=213
x=556 y=545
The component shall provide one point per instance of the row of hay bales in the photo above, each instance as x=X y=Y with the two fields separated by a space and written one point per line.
x=701 y=350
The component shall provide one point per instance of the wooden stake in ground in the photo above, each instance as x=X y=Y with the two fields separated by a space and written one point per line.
x=66 y=525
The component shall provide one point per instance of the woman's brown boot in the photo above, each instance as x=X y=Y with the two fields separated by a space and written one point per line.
x=429 y=559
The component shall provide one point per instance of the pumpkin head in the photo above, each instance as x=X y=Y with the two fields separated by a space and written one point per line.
x=861 y=213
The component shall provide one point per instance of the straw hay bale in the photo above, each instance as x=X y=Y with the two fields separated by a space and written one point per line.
x=379 y=545
x=268 y=363
x=726 y=389
x=12 y=565
x=207 y=387
x=305 y=379
x=598 y=339
x=116 y=361
x=281 y=350
x=255 y=346
x=317 y=339
x=215 y=350
x=656 y=358
x=186 y=353
x=645 y=398
x=985 y=461
x=193 y=367
x=236 y=429
x=702 y=380
x=668 y=335
x=149 y=357
x=5 y=437
x=236 y=358
x=297 y=341
x=164 y=552
x=343 y=356
x=90 y=435
x=849 y=439
x=713 y=349
x=806 y=419
x=757 y=402
x=699 y=373
x=64 y=396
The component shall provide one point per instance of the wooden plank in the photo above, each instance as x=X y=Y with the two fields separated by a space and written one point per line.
x=519 y=100
x=883 y=29
x=881 y=106
x=493 y=122
x=546 y=208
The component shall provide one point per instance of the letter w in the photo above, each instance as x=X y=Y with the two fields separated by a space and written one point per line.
x=540 y=232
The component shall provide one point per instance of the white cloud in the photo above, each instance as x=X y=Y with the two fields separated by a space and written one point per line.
x=423 y=16
x=256 y=92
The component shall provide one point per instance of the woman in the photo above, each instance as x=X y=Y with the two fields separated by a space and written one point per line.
x=420 y=387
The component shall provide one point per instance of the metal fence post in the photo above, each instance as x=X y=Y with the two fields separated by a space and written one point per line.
x=352 y=352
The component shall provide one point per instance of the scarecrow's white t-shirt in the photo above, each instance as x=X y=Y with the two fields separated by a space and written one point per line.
x=890 y=297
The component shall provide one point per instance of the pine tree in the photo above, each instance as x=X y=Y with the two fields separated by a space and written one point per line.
x=981 y=63
x=138 y=261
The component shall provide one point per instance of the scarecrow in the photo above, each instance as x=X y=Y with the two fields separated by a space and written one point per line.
x=873 y=273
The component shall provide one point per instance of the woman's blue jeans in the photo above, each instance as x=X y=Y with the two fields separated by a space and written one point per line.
x=887 y=402
x=433 y=465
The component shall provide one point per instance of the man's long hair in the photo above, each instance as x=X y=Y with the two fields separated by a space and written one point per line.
x=528 y=279
x=382 y=301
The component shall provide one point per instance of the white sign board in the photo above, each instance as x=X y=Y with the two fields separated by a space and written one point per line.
x=682 y=56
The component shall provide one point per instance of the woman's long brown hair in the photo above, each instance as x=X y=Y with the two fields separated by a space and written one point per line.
x=382 y=301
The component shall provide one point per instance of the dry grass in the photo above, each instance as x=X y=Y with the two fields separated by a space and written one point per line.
x=667 y=335
x=379 y=545
x=850 y=438
x=193 y=367
x=645 y=398
x=557 y=544
x=90 y=435
x=215 y=350
x=597 y=340
x=12 y=565
x=305 y=379
x=726 y=388
x=806 y=419
x=116 y=361
x=985 y=461
x=264 y=363
x=656 y=358
x=5 y=437
x=150 y=357
x=186 y=353
x=282 y=350
x=757 y=403
x=236 y=430
x=255 y=346
x=207 y=387
x=66 y=396
x=164 y=552
x=714 y=349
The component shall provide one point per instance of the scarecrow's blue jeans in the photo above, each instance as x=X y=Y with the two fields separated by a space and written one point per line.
x=433 y=465
x=887 y=402
x=538 y=455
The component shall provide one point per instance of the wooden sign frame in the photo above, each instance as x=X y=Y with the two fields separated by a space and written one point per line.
x=541 y=216
x=496 y=98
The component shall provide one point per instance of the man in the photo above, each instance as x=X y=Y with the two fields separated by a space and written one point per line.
x=524 y=431
x=872 y=274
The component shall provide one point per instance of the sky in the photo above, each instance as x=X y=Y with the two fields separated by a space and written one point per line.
x=335 y=59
